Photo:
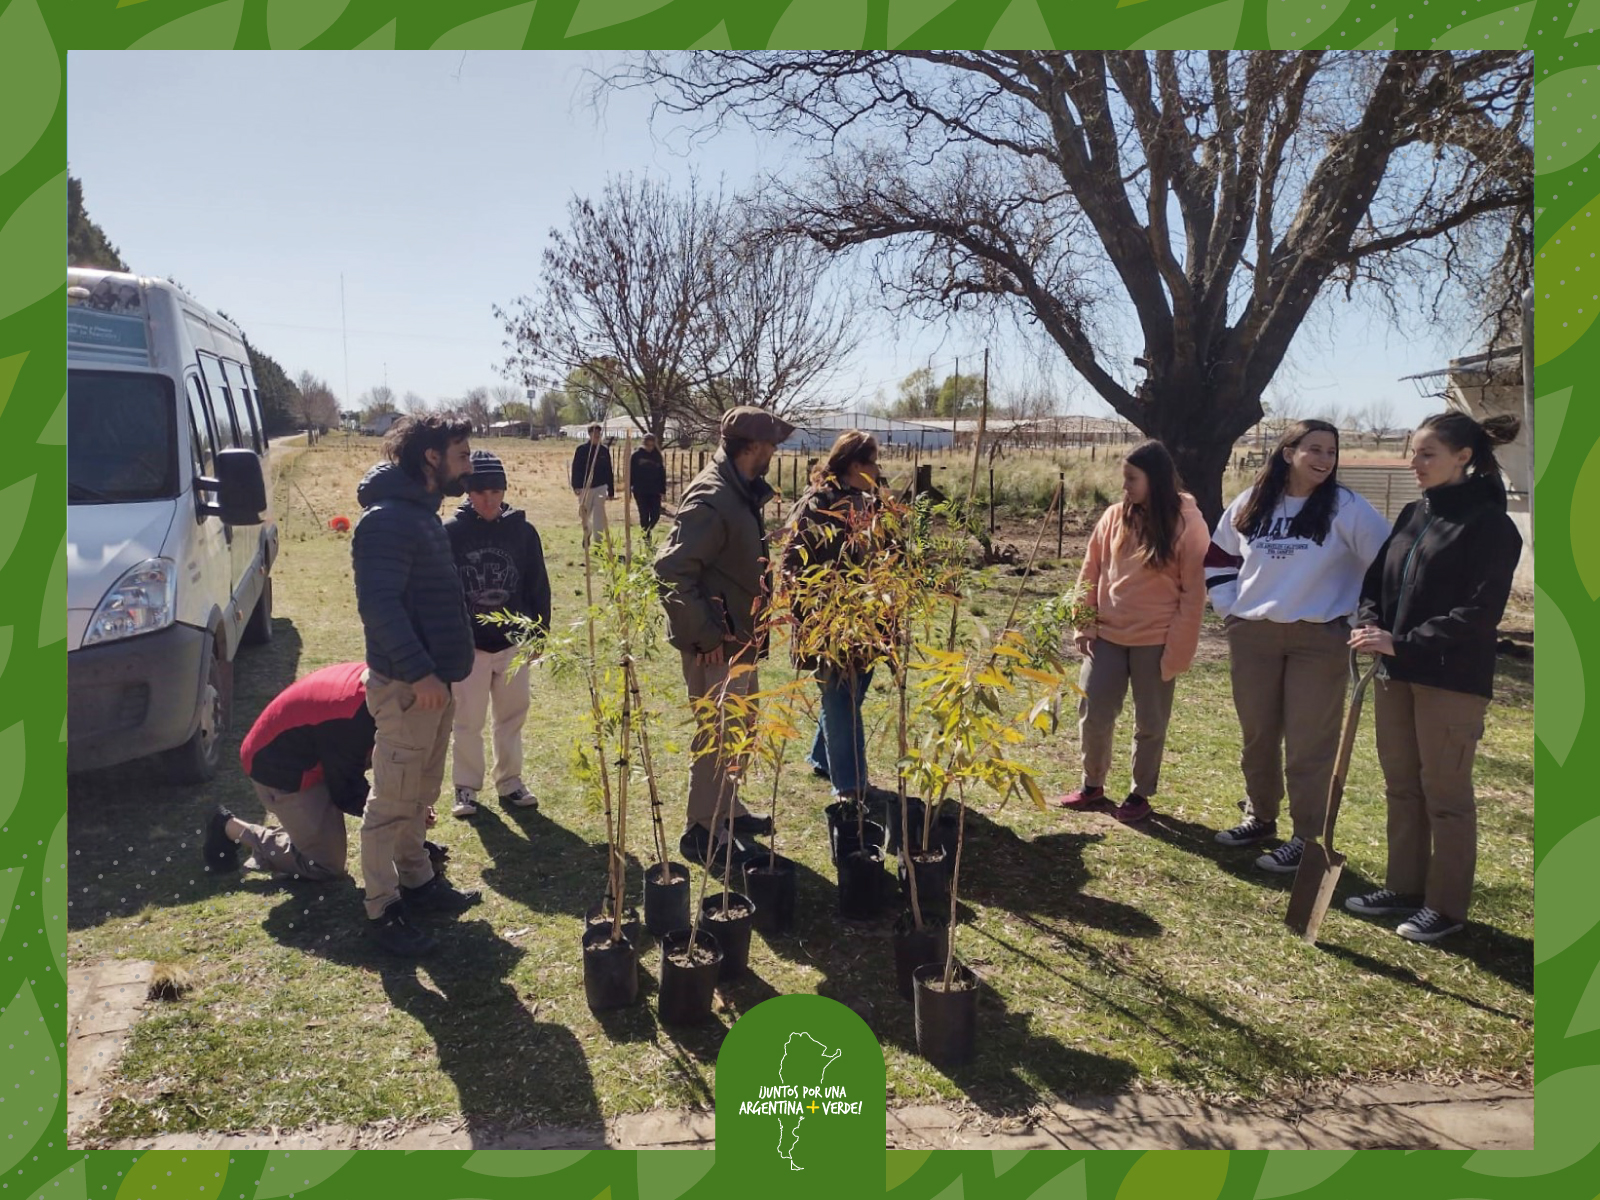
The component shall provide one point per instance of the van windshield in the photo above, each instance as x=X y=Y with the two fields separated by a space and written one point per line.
x=122 y=440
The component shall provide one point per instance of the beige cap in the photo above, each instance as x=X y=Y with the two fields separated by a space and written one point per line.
x=756 y=424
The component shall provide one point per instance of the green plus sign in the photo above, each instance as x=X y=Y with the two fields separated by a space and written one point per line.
x=813 y=1106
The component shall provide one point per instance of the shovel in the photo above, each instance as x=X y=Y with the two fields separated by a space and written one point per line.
x=1321 y=863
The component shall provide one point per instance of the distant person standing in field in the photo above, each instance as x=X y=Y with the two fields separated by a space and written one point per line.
x=647 y=480
x=712 y=571
x=419 y=642
x=592 y=483
x=501 y=563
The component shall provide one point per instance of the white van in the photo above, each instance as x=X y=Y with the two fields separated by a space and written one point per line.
x=170 y=538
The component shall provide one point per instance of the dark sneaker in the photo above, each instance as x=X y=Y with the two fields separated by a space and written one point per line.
x=819 y=772
x=1085 y=799
x=437 y=854
x=221 y=852
x=1429 y=926
x=396 y=934
x=1285 y=860
x=438 y=896
x=1248 y=832
x=521 y=797
x=751 y=825
x=1134 y=808
x=1384 y=903
x=695 y=846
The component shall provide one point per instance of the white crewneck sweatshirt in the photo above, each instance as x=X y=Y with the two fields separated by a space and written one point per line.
x=1285 y=578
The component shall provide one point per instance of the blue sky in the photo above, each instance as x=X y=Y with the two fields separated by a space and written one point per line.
x=430 y=180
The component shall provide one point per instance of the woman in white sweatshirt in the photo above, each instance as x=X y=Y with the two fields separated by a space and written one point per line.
x=1301 y=543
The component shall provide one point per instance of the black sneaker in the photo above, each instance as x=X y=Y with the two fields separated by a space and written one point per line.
x=751 y=825
x=396 y=934
x=1285 y=860
x=220 y=851
x=1248 y=832
x=438 y=896
x=1383 y=903
x=437 y=854
x=1429 y=925
x=695 y=846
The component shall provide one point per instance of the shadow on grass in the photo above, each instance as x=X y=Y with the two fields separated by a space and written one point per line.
x=509 y=1069
x=117 y=814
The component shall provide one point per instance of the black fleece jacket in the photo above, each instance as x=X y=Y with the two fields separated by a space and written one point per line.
x=1440 y=584
x=501 y=564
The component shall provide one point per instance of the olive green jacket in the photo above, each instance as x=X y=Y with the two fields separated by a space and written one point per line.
x=712 y=568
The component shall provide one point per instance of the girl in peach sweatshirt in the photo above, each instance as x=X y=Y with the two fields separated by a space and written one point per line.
x=1144 y=573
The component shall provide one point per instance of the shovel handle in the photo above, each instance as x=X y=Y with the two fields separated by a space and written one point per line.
x=1347 y=743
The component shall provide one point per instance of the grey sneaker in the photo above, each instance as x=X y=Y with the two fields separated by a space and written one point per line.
x=519 y=797
x=1429 y=926
x=466 y=804
x=1285 y=860
x=1384 y=903
x=1248 y=832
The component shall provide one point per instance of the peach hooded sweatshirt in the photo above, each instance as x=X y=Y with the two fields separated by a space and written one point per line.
x=1140 y=605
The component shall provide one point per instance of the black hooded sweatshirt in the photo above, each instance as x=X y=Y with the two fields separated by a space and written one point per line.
x=1440 y=585
x=501 y=564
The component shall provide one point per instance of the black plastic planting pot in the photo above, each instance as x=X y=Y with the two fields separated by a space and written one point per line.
x=599 y=917
x=891 y=819
x=732 y=932
x=688 y=986
x=848 y=837
x=861 y=883
x=915 y=947
x=841 y=816
x=947 y=1022
x=769 y=880
x=933 y=880
x=610 y=969
x=666 y=902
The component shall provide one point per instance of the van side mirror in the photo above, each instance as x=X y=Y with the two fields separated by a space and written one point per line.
x=240 y=488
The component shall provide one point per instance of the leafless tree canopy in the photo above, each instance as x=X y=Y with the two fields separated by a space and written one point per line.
x=315 y=404
x=474 y=406
x=670 y=305
x=1209 y=197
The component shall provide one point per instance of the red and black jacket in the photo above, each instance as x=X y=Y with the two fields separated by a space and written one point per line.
x=318 y=729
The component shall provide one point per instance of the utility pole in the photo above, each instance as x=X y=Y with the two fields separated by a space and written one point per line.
x=344 y=334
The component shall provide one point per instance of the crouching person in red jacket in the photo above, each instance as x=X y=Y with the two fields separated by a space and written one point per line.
x=307 y=756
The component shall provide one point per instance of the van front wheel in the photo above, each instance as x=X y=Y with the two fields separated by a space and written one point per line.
x=258 y=629
x=196 y=761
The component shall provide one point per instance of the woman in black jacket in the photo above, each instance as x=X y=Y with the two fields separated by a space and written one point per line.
x=1431 y=604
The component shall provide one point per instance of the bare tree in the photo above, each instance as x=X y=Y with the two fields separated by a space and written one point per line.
x=502 y=395
x=623 y=295
x=413 y=405
x=1046 y=183
x=474 y=406
x=1376 y=419
x=781 y=324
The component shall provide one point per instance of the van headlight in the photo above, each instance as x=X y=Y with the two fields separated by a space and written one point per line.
x=141 y=602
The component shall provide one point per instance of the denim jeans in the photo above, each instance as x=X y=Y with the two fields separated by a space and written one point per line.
x=840 y=728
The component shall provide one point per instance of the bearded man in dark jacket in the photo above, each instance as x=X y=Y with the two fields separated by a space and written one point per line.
x=419 y=643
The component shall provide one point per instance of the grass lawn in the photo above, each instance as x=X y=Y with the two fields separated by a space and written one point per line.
x=1114 y=957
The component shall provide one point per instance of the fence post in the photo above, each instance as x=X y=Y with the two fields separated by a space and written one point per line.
x=991 y=503
x=1061 y=513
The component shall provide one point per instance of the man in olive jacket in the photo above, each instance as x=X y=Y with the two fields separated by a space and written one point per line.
x=419 y=642
x=712 y=572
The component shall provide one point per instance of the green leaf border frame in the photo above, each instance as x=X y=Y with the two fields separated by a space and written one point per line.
x=34 y=39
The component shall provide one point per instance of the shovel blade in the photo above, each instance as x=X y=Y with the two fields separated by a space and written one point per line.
x=1313 y=889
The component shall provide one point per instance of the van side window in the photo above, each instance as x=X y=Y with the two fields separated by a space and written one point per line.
x=221 y=403
x=255 y=405
x=248 y=425
x=200 y=426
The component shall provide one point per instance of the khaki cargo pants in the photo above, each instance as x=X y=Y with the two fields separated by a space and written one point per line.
x=713 y=779
x=407 y=773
